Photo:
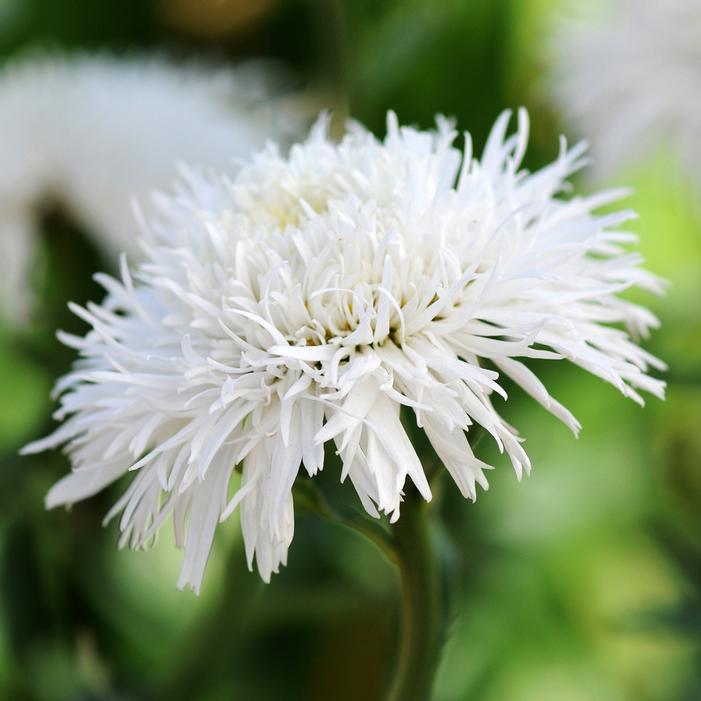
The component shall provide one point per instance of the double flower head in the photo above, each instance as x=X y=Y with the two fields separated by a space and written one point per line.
x=304 y=302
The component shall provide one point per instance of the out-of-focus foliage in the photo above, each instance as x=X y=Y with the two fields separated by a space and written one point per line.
x=581 y=583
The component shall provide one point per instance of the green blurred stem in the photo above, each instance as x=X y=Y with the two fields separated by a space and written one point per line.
x=421 y=616
x=310 y=498
x=408 y=545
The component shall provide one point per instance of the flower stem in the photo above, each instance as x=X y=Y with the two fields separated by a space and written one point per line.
x=421 y=614
x=309 y=498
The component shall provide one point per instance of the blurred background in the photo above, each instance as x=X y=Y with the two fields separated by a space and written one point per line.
x=582 y=583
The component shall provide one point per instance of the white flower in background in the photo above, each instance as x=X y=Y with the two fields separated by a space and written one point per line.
x=308 y=299
x=628 y=75
x=91 y=132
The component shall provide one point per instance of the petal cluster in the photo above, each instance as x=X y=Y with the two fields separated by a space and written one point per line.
x=304 y=302
x=89 y=132
x=627 y=74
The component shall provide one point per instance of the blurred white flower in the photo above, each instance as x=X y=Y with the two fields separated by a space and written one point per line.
x=627 y=73
x=308 y=299
x=90 y=132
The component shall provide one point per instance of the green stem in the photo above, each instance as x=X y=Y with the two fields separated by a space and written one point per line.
x=308 y=497
x=421 y=615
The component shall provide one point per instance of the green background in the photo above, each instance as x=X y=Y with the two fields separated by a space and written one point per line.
x=582 y=582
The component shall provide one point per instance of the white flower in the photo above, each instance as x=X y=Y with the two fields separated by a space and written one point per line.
x=307 y=300
x=92 y=131
x=628 y=75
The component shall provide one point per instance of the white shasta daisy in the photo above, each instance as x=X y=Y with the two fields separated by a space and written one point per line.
x=627 y=74
x=91 y=132
x=306 y=300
